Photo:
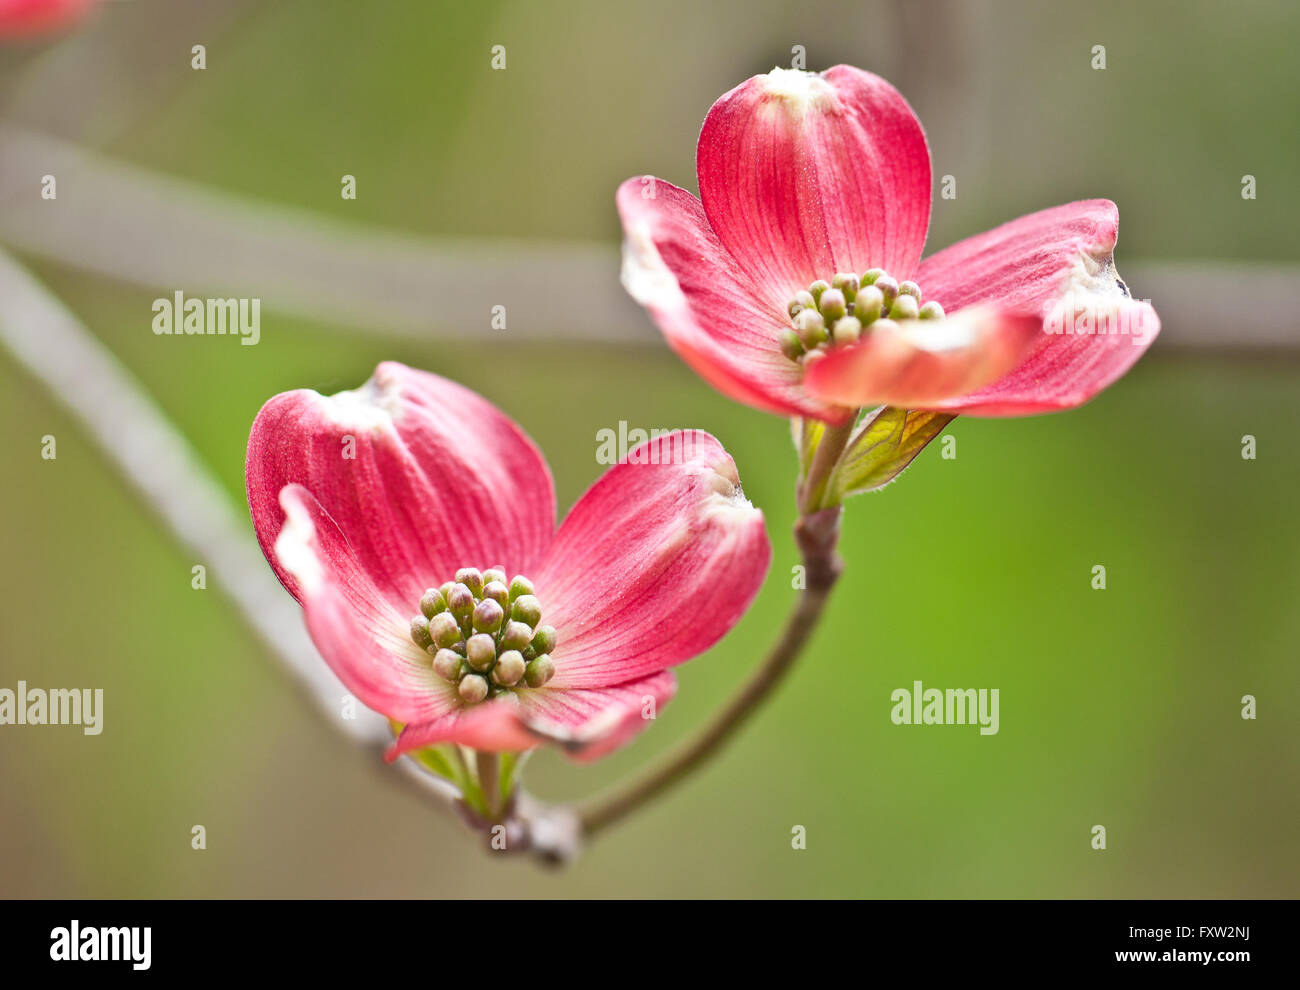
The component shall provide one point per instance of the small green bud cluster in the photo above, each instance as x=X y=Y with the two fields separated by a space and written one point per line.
x=839 y=312
x=485 y=634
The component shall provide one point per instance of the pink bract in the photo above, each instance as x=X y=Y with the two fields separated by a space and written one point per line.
x=364 y=499
x=805 y=175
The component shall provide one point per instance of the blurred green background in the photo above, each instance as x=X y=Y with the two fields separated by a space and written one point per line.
x=1119 y=707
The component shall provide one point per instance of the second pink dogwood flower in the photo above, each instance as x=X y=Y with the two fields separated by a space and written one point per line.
x=795 y=282
x=415 y=524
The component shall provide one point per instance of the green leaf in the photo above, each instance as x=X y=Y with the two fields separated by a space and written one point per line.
x=441 y=760
x=807 y=435
x=435 y=759
x=511 y=765
x=885 y=442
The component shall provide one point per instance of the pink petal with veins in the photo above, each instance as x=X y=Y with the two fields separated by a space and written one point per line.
x=711 y=313
x=361 y=634
x=423 y=475
x=1057 y=264
x=922 y=364
x=586 y=723
x=803 y=175
x=654 y=564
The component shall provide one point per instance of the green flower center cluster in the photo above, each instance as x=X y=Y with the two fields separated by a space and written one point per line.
x=484 y=635
x=839 y=312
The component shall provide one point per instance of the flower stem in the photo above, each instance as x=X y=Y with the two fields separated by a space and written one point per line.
x=812 y=490
x=603 y=812
x=488 y=767
x=816 y=533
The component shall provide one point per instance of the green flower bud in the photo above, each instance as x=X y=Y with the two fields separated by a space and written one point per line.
x=790 y=345
x=488 y=616
x=816 y=289
x=888 y=288
x=904 y=308
x=846 y=330
x=471 y=578
x=884 y=323
x=445 y=590
x=516 y=636
x=811 y=328
x=847 y=283
x=543 y=640
x=498 y=592
x=870 y=276
x=869 y=305
x=509 y=668
x=460 y=601
x=420 y=632
x=539 y=671
x=473 y=688
x=832 y=305
x=480 y=651
x=527 y=609
x=444 y=630
x=432 y=603
x=909 y=288
x=802 y=300
x=520 y=586
x=446 y=664
x=931 y=311
x=495 y=574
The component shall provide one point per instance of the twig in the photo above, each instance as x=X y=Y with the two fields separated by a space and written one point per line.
x=165 y=233
x=157 y=461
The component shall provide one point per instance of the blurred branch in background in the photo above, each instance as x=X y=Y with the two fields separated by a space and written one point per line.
x=52 y=345
x=161 y=233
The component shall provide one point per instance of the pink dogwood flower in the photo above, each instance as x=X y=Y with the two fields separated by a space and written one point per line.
x=415 y=524
x=29 y=18
x=795 y=283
